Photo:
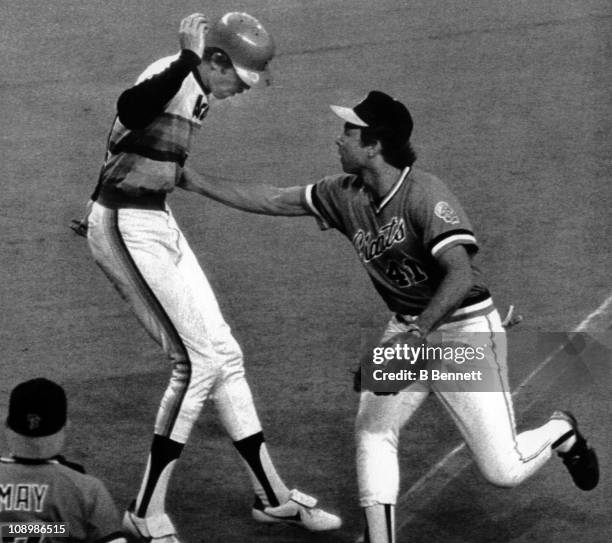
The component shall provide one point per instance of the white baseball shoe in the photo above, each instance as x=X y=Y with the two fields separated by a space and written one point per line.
x=298 y=510
x=156 y=529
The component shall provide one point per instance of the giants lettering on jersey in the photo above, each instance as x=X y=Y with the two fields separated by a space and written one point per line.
x=369 y=246
x=23 y=497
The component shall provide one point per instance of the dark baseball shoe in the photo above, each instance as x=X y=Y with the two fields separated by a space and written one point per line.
x=298 y=510
x=580 y=460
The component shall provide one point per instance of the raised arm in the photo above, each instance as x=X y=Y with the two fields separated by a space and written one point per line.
x=139 y=105
x=252 y=197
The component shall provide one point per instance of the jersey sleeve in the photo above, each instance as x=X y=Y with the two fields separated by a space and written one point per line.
x=103 y=522
x=139 y=105
x=438 y=216
x=323 y=199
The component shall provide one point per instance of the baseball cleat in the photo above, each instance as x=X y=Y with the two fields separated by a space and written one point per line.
x=298 y=510
x=580 y=460
x=157 y=529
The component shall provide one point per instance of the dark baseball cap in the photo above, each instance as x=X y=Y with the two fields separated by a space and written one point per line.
x=379 y=110
x=37 y=408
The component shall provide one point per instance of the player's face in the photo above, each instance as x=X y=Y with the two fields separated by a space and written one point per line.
x=352 y=153
x=224 y=82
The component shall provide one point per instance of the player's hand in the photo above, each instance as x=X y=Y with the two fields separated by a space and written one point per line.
x=78 y=227
x=192 y=33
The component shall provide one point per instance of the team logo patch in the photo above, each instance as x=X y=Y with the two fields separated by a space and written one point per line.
x=446 y=213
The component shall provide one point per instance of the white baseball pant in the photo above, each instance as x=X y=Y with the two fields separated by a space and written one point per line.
x=485 y=418
x=145 y=255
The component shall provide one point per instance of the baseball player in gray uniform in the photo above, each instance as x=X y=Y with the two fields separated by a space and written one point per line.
x=38 y=485
x=135 y=239
x=417 y=245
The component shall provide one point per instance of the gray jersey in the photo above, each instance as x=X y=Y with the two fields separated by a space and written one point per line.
x=398 y=238
x=49 y=491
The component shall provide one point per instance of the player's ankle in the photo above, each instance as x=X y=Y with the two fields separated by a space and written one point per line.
x=565 y=442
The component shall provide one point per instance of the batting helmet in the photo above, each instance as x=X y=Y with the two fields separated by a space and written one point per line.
x=246 y=42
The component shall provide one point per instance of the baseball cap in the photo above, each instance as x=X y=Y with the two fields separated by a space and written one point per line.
x=379 y=110
x=36 y=419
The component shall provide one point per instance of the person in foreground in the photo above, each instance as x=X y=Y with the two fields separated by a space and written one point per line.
x=38 y=485
x=135 y=239
x=417 y=245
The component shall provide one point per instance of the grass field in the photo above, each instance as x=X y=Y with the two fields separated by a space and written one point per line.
x=511 y=102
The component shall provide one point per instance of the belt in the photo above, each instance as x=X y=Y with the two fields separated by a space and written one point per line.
x=475 y=306
x=114 y=198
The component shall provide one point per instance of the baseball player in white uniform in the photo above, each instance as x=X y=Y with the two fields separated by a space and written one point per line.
x=134 y=238
x=416 y=243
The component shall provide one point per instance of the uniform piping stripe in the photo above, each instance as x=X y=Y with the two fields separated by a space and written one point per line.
x=474 y=307
x=474 y=310
x=477 y=309
x=523 y=459
x=465 y=239
x=394 y=189
x=433 y=242
x=312 y=206
x=146 y=151
x=156 y=309
x=389 y=520
x=500 y=375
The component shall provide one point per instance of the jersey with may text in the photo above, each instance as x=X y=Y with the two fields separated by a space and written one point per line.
x=398 y=238
x=49 y=491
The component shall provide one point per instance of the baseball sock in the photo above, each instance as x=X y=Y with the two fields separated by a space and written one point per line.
x=565 y=442
x=162 y=458
x=269 y=487
x=380 y=523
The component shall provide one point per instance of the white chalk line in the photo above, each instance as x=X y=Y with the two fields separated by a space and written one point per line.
x=454 y=466
x=600 y=311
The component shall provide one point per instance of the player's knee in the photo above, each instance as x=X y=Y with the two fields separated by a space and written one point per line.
x=503 y=476
x=385 y=440
x=372 y=422
x=232 y=367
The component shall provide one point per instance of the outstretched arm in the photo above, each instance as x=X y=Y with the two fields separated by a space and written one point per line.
x=252 y=197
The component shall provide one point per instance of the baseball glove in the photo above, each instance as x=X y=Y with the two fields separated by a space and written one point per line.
x=395 y=363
